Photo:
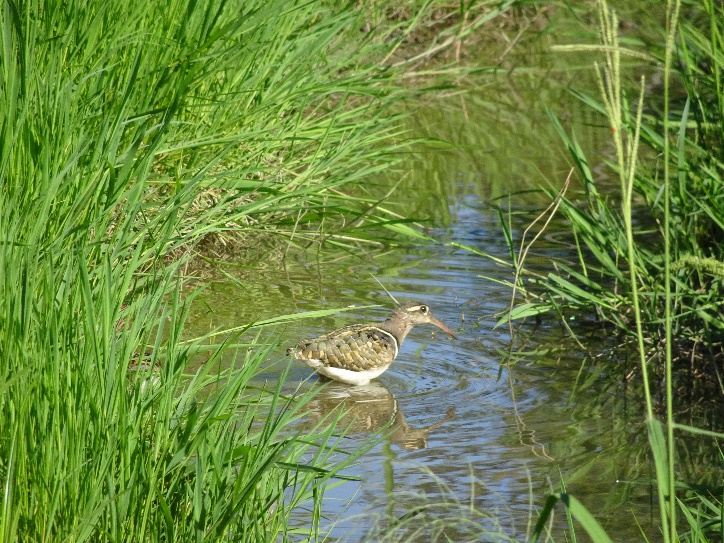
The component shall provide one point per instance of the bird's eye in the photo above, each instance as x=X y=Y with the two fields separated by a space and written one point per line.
x=424 y=309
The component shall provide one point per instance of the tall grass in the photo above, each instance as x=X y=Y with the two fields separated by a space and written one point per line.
x=678 y=233
x=129 y=133
x=650 y=258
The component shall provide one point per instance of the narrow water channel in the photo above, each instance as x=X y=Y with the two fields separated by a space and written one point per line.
x=480 y=422
x=465 y=421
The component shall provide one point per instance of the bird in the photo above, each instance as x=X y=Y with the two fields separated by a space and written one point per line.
x=359 y=353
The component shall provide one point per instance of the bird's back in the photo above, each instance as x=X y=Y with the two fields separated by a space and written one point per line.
x=360 y=347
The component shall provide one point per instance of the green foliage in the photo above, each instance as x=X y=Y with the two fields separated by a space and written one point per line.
x=576 y=510
x=651 y=257
x=130 y=131
x=672 y=250
x=602 y=281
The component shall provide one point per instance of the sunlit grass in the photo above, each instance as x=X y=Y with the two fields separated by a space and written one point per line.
x=137 y=137
x=130 y=133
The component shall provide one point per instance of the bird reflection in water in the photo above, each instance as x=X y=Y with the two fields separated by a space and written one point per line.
x=370 y=408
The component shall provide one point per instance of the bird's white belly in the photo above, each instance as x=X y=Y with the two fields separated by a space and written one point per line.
x=346 y=376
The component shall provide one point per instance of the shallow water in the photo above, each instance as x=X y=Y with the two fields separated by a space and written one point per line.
x=458 y=410
x=478 y=420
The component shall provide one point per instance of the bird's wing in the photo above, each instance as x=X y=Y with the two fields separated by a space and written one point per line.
x=355 y=348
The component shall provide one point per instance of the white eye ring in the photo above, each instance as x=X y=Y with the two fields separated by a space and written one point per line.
x=424 y=310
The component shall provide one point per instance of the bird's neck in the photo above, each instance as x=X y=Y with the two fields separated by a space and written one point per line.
x=398 y=327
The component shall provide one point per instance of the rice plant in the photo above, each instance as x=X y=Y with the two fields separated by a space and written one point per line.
x=132 y=132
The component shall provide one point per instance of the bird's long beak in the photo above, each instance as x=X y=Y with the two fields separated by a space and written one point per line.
x=441 y=326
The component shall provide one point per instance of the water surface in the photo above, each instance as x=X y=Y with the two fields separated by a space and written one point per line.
x=481 y=423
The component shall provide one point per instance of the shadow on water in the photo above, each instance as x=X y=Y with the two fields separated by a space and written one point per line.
x=371 y=409
x=475 y=431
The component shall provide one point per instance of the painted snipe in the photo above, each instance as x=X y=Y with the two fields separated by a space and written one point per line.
x=355 y=354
